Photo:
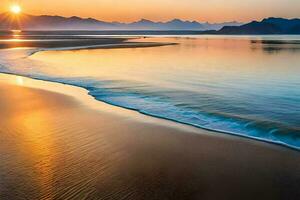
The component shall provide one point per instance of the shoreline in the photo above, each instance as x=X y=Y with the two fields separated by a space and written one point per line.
x=106 y=46
x=167 y=120
x=58 y=142
x=81 y=94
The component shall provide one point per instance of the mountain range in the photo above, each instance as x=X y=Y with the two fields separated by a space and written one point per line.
x=270 y=25
x=46 y=22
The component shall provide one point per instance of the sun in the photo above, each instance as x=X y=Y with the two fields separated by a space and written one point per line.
x=16 y=9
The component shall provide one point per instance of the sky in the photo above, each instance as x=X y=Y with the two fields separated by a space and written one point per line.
x=161 y=10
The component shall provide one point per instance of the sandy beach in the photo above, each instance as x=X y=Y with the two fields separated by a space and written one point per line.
x=56 y=142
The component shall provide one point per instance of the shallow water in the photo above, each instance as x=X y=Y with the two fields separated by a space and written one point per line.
x=248 y=86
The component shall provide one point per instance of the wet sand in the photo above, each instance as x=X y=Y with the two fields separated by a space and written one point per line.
x=72 y=42
x=56 y=142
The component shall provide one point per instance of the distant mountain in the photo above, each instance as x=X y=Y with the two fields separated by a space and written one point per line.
x=175 y=24
x=46 y=22
x=266 y=26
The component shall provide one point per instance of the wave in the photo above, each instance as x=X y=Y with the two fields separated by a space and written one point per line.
x=211 y=123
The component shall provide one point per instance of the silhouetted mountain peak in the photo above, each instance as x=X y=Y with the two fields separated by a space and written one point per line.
x=270 y=25
x=76 y=18
x=177 y=21
x=145 y=21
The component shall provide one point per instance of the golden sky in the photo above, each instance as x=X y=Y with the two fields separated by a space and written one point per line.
x=161 y=10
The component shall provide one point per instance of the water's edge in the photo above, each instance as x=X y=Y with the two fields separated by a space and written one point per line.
x=157 y=116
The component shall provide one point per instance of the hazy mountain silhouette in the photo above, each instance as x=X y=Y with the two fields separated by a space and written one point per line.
x=266 y=26
x=46 y=22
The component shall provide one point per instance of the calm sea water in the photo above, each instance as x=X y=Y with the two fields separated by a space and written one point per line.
x=248 y=86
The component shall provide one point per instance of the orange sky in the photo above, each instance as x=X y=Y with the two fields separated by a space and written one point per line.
x=161 y=10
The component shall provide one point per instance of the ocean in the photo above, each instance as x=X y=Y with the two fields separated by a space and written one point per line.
x=243 y=85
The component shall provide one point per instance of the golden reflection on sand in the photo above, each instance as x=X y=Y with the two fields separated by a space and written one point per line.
x=36 y=131
x=20 y=81
x=33 y=129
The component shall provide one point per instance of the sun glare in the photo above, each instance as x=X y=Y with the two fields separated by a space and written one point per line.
x=16 y=9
